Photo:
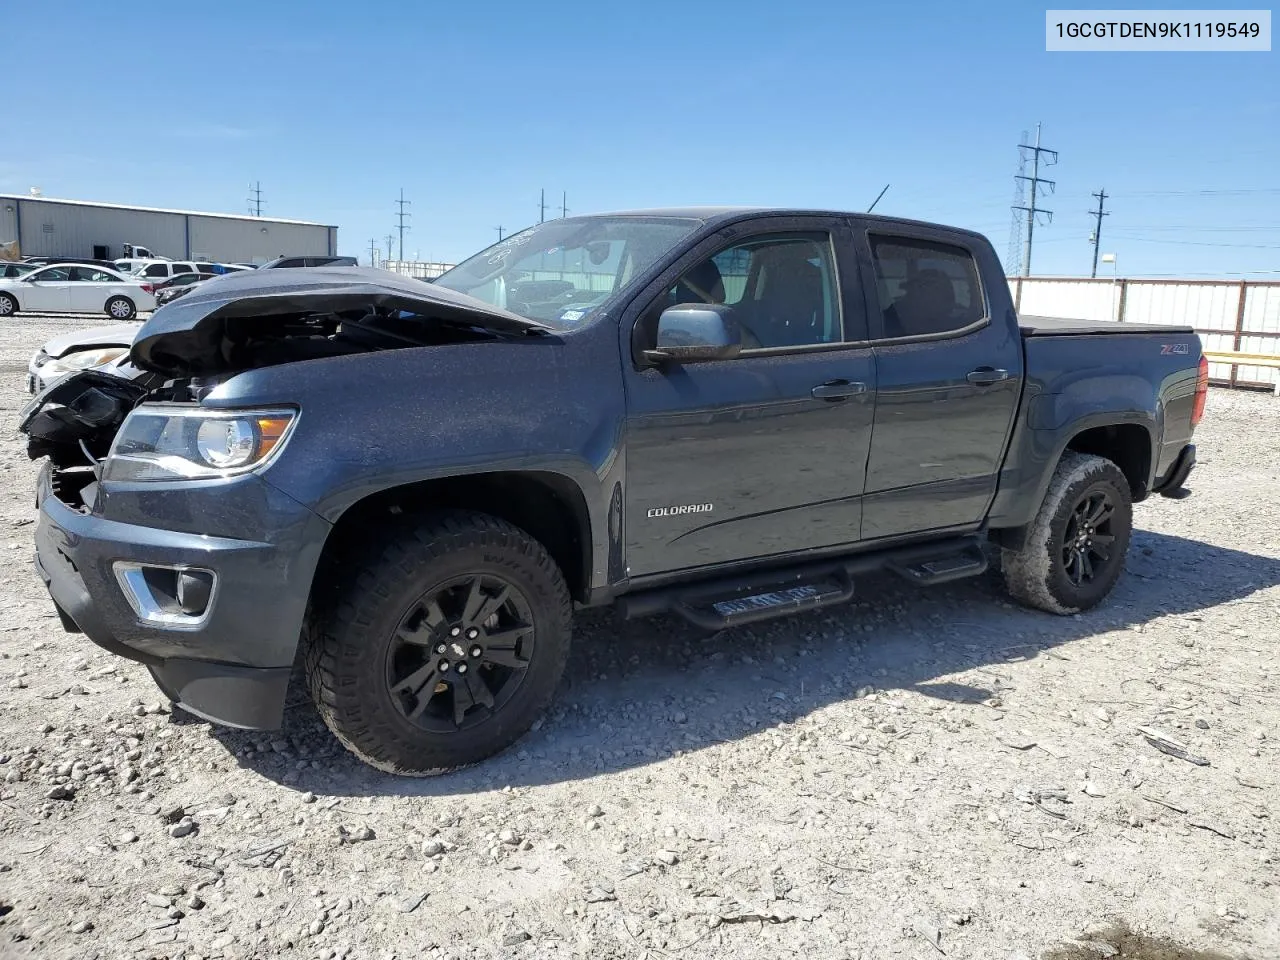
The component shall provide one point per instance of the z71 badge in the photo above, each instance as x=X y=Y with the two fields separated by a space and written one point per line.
x=1175 y=349
x=680 y=510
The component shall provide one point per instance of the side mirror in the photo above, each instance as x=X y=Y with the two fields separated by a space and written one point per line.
x=696 y=332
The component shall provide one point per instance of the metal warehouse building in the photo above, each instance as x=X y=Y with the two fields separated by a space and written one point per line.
x=45 y=227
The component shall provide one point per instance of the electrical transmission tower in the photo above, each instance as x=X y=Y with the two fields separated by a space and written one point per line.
x=373 y=253
x=564 y=205
x=255 y=201
x=1096 y=239
x=390 y=238
x=542 y=206
x=1030 y=209
x=400 y=216
x=499 y=228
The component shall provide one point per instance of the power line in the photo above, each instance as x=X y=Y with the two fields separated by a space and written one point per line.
x=1051 y=157
x=1096 y=239
x=1234 y=192
x=1202 y=243
x=255 y=201
x=400 y=215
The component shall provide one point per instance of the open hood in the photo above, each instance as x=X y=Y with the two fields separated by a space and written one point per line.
x=242 y=320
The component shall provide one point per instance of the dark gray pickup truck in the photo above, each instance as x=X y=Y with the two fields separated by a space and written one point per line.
x=723 y=414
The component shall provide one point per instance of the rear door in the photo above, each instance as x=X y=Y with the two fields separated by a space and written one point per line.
x=88 y=289
x=948 y=376
x=762 y=455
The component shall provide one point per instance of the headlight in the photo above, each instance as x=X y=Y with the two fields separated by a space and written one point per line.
x=172 y=443
x=81 y=360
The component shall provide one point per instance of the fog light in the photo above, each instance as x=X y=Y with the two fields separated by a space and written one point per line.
x=194 y=588
x=170 y=597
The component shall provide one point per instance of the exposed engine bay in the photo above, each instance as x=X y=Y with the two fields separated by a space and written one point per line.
x=237 y=323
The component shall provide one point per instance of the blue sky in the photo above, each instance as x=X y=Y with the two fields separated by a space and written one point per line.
x=473 y=108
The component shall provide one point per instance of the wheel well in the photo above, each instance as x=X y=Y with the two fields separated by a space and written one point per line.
x=547 y=506
x=1127 y=445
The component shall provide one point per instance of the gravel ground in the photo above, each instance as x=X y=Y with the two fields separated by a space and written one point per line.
x=916 y=774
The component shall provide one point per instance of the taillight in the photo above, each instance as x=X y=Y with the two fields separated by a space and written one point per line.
x=1202 y=392
x=148 y=288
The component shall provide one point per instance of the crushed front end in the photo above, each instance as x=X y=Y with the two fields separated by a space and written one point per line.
x=160 y=535
x=203 y=580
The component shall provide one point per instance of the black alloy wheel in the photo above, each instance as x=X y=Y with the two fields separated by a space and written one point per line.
x=460 y=653
x=1087 y=541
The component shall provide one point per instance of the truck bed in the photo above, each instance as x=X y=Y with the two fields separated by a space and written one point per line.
x=1061 y=327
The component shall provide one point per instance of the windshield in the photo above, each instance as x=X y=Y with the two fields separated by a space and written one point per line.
x=559 y=272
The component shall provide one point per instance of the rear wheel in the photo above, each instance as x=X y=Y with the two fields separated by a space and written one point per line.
x=441 y=645
x=8 y=305
x=121 y=308
x=1075 y=550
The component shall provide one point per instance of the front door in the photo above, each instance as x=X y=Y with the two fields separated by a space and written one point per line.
x=46 y=290
x=948 y=380
x=762 y=455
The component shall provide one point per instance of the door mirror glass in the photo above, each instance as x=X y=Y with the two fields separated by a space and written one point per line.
x=692 y=332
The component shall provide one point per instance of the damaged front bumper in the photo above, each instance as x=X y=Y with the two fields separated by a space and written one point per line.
x=223 y=649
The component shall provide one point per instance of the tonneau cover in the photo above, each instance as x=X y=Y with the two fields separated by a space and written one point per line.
x=1063 y=327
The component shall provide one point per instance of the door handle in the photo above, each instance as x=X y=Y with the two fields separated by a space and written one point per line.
x=985 y=376
x=838 y=390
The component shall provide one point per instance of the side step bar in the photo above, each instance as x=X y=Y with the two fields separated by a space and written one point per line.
x=724 y=602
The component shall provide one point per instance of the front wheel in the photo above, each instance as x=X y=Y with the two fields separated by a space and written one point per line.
x=121 y=308
x=8 y=305
x=1075 y=550
x=441 y=645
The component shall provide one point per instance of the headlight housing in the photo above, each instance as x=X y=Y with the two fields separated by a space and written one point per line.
x=80 y=360
x=163 y=442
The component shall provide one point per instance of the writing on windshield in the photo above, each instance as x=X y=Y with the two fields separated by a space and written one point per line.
x=560 y=272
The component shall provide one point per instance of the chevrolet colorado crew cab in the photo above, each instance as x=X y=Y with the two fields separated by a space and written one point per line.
x=724 y=414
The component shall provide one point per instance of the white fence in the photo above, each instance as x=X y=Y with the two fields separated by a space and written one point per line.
x=418 y=269
x=1239 y=315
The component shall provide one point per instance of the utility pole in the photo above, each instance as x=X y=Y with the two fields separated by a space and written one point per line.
x=542 y=206
x=400 y=215
x=1096 y=239
x=389 y=238
x=499 y=229
x=255 y=201
x=373 y=253
x=564 y=205
x=1051 y=157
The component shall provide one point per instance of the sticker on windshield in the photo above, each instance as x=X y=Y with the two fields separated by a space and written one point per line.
x=572 y=316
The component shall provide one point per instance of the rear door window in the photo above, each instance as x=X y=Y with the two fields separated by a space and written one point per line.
x=925 y=288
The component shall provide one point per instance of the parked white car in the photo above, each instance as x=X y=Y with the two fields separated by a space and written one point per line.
x=158 y=270
x=75 y=288
x=79 y=350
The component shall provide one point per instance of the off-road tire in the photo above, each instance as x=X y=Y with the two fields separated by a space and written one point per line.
x=356 y=612
x=8 y=305
x=128 y=311
x=1037 y=575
